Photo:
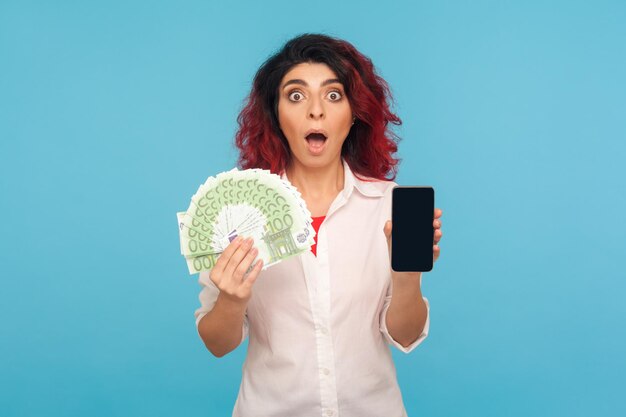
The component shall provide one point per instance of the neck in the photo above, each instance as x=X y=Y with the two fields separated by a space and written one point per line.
x=316 y=182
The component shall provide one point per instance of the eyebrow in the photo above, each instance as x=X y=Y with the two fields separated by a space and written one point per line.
x=302 y=82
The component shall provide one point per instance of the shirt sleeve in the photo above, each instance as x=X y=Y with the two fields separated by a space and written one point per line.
x=208 y=297
x=385 y=331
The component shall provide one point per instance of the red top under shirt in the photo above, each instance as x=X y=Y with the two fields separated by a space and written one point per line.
x=317 y=221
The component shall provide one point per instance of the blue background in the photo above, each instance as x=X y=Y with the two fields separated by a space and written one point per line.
x=112 y=114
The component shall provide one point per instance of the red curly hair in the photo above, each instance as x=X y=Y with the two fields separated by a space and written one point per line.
x=370 y=145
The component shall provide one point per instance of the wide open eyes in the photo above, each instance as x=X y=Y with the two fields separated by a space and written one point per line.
x=297 y=95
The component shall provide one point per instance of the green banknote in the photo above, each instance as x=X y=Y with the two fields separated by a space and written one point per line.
x=251 y=203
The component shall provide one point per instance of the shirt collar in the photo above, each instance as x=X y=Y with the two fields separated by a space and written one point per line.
x=367 y=188
x=350 y=182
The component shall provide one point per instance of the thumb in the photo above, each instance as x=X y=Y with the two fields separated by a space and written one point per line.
x=387 y=231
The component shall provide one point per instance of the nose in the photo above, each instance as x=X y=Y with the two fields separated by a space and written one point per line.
x=316 y=109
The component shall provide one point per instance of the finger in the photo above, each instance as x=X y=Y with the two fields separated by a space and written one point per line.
x=438 y=234
x=252 y=275
x=387 y=229
x=436 y=252
x=236 y=258
x=438 y=213
x=436 y=224
x=223 y=259
x=245 y=263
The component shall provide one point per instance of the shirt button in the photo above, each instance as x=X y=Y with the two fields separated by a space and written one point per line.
x=325 y=371
x=324 y=330
x=329 y=412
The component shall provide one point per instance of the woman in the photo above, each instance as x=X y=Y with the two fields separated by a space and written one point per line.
x=319 y=324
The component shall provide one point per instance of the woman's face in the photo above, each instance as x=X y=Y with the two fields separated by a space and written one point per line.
x=311 y=98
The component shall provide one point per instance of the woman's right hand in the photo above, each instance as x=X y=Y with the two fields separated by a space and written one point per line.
x=229 y=272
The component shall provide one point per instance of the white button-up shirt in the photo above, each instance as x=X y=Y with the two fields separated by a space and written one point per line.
x=318 y=340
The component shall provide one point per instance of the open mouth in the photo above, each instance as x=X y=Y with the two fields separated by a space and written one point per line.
x=316 y=140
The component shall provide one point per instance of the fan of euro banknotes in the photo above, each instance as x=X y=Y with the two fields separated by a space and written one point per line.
x=251 y=203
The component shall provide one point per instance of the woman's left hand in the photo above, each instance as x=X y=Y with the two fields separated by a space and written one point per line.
x=437 y=235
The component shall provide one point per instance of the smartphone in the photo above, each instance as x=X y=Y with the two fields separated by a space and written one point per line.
x=412 y=232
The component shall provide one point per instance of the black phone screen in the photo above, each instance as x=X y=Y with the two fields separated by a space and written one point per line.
x=412 y=233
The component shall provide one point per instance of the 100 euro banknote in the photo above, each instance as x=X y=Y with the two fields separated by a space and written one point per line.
x=251 y=203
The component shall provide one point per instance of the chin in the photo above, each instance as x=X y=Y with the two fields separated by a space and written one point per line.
x=316 y=161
